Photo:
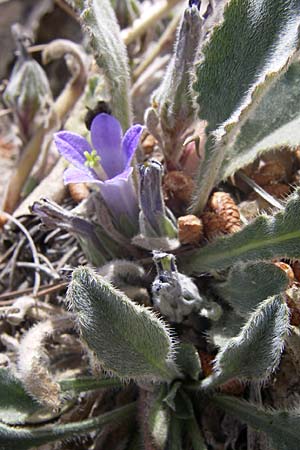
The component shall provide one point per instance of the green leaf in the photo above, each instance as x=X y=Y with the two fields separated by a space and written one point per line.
x=188 y=361
x=88 y=383
x=255 y=38
x=245 y=56
x=170 y=397
x=175 y=434
x=195 y=434
x=159 y=419
x=15 y=404
x=128 y=339
x=265 y=238
x=24 y=438
x=255 y=352
x=228 y=326
x=100 y=23
x=282 y=427
x=274 y=123
x=249 y=284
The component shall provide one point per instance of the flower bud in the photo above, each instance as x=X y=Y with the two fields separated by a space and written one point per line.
x=174 y=294
x=155 y=219
x=94 y=241
x=174 y=101
x=28 y=92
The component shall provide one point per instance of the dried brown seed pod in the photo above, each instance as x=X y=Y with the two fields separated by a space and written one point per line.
x=190 y=229
x=213 y=225
x=271 y=172
x=287 y=269
x=296 y=269
x=178 y=185
x=78 y=191
x=294 y=307
x=224 y=206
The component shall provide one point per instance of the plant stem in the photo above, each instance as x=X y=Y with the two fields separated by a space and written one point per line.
x=141 y=25
x=163 y=40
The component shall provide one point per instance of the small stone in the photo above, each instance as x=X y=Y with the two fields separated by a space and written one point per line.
x=190 y=229
x=78 y=191
x=249 y=209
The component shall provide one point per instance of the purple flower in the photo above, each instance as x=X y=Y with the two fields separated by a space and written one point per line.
x=106 y=162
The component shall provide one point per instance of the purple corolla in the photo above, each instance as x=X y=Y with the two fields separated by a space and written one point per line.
x=106 y=162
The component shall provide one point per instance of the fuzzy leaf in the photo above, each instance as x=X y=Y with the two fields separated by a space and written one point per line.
x=159 y=419
x=265 y=238
x=282 y=427
x=100 y=23
x=24 y=438
x=195 y=434
x=15 y=404
x=255 y=352
x=249 y=284
x=187 y=359
x=175 y=434
x=113 y=327
x=228 y=326
x=85 y=384
x=244 y=58
x=275 y=123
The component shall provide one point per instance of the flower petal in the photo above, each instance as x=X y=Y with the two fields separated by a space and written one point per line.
x=120 y=196
x=130 y=143
x=72 y=146
x=106 y=136
x=73 y=175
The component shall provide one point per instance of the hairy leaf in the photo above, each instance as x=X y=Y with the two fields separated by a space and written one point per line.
x=15 y=404
x=273 y=124
x=245 y=56
x=85 y=384
x=187 y=359
x=249 y=284
x=255 y=352
x=282 y=427
x=24 y=438
x=267 y=237
x=100 y=23
x=195 y=434
x=159 y=418
x=228 y=326
x=175 y=433
x=128 y=339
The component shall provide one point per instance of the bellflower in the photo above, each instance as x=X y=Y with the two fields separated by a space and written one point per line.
x=106 y=163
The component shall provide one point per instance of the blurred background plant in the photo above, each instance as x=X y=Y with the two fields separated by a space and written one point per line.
x=157 y=306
